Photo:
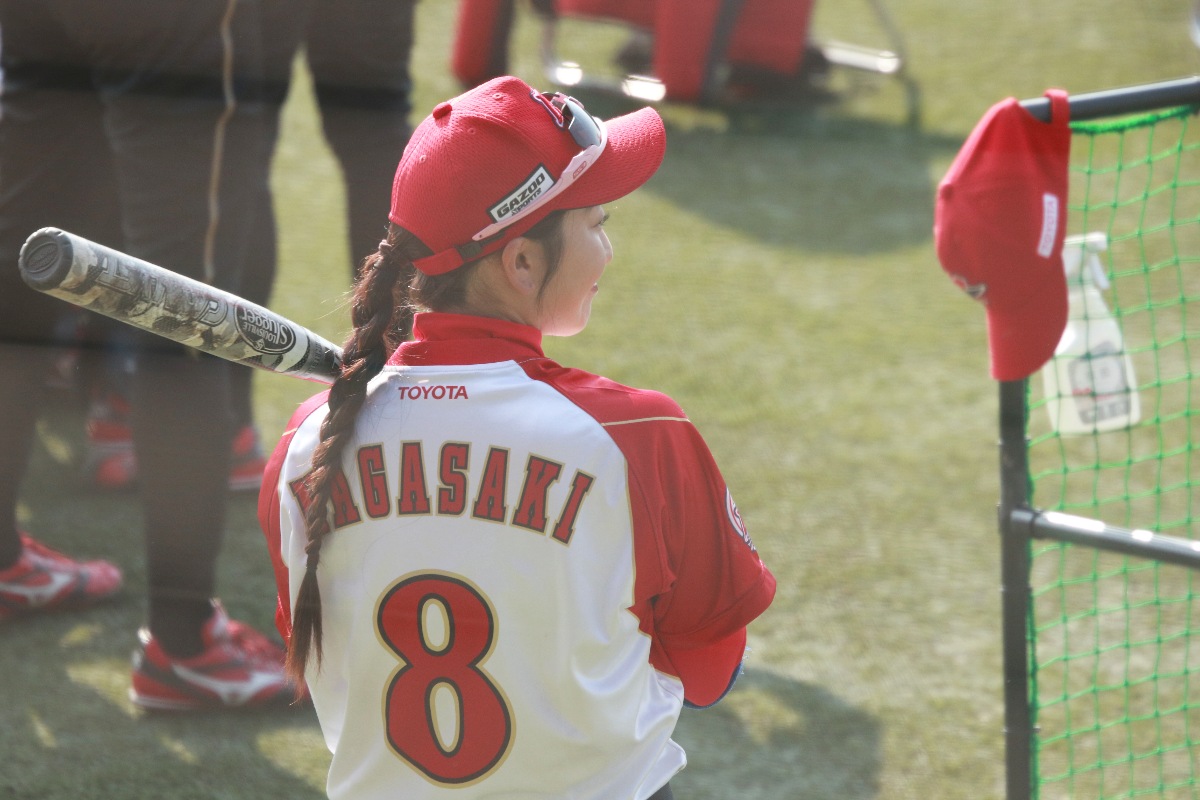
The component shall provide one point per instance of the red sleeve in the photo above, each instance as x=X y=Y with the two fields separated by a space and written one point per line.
x=699 y=579
x=713 y=583
x=268 y=512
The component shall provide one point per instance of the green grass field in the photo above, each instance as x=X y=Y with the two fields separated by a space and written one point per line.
x=778 y=279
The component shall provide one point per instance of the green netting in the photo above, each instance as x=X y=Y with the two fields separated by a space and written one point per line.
x=1114 y=641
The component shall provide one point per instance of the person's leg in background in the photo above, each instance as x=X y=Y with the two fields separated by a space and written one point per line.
x=283 y=23
x=190 y=154
x=359 y=53
x=55 y=170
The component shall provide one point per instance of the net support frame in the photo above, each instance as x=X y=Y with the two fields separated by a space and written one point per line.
x=1127 y=100
x=1015 y=589
x=1019 y=522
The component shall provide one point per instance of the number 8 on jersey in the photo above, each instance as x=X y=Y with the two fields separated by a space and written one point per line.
x=444 y=714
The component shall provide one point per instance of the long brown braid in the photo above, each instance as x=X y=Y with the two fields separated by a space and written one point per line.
x=385 y=296
x=381 y=317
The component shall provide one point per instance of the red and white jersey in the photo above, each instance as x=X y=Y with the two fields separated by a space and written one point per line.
x=529 y=569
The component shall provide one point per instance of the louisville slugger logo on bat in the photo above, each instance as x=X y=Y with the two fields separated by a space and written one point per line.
x=179 y=308
x=268 y=335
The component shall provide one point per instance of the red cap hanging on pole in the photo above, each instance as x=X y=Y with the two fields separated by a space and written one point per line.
x=999 y=226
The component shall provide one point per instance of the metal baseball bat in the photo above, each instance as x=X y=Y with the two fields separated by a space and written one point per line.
x=187 y=311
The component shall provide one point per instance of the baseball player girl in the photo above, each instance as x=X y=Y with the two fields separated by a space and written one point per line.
x=502 y=577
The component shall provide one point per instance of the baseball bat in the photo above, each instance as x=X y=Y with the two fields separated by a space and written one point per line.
x=150 y=297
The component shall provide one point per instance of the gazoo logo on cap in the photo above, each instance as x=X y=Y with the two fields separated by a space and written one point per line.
x=530 y=189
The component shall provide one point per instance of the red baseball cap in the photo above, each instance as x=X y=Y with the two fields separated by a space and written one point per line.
x=999 y=226
x=486 y=166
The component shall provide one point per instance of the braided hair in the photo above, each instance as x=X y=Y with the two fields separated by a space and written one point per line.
x=386 y=294
x=381 y=320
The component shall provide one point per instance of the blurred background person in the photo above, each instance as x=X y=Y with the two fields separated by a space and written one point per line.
x=139 y=124
x=358 y=54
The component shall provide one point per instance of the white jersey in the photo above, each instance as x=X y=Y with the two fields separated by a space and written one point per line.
x=507 y=611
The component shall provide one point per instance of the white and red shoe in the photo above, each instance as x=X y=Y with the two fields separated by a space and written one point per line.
x=238 y=668
x=112 y=465
x=45 y=580
x=247 y=463
x=110 y=461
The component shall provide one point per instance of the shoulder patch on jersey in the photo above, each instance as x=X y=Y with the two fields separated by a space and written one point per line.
x=735 y=519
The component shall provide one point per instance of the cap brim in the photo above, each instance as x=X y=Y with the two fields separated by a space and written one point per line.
x=1021 y=340
x=635 y=148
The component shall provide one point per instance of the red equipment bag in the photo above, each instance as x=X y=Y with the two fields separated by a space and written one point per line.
x=693 y=39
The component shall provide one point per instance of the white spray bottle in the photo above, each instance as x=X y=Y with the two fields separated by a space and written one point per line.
x=1089 y=384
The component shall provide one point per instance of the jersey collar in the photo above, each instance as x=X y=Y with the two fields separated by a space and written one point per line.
x=466 y=339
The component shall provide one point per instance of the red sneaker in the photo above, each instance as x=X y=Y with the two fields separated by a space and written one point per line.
x=113 y=471
x=112 y=465
x=247 y=464
x=46 y=580
x=110 y=460
x=239 y=668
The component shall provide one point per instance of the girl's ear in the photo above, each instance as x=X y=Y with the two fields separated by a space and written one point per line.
x=522 y=262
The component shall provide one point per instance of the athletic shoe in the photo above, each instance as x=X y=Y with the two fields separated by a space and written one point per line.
x=45 y=580
x=238 y=668
x=247 y=463
x=114 y=471
x=112 y=465
x=110 y=460
x=69 y=332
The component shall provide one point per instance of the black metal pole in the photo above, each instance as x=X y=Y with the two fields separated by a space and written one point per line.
x=1129 y=100
x=1096 y=534
x=1014 y=588
x=727 y=16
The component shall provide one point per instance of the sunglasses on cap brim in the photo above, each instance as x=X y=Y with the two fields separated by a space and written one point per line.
x=588 y=132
